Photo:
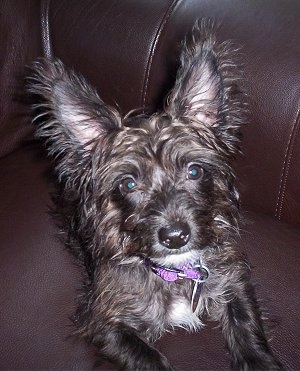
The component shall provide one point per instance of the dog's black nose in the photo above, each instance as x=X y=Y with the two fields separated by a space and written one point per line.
x=175 y=236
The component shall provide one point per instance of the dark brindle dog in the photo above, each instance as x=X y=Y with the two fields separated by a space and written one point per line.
x=149 y=208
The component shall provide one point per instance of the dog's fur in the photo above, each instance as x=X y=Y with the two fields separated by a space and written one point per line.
x=125 y=180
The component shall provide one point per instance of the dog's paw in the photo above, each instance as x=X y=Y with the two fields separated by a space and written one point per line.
x=266 y=362
x=150 y=361
x=161 y=364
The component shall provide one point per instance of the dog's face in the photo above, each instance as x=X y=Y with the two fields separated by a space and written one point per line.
x=165 y=187
x=158 y=186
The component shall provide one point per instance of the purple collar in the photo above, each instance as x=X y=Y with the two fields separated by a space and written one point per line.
x=196 y=272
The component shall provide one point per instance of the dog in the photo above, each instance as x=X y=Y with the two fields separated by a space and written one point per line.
x=149 y=207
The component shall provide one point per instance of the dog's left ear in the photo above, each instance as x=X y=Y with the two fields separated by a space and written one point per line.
x=70 y=117
x=206 y=88
x=71 y=109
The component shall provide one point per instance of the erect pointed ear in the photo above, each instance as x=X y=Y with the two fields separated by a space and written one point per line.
x=69 y=115
x=206 y=89
x=70 y=109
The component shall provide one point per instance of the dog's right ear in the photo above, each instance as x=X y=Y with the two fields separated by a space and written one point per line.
x=207 y=88
x=70 y=115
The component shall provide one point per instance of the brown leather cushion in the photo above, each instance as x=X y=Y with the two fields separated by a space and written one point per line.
x=20 y=43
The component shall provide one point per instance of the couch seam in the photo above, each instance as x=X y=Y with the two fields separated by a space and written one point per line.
x=153 y=49
x=45 y=29
x=286 y=167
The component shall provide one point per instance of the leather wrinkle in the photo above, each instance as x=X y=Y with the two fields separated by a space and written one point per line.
x=158 y=34
x=286 y=166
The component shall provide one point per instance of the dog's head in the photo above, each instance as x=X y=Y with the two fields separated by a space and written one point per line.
x=159 y=186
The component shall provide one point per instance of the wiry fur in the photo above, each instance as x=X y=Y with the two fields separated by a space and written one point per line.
x=124 y=306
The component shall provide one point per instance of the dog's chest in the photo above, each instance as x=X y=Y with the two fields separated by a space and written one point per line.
x=176 y=304
x=181 y=314
x=172 y=307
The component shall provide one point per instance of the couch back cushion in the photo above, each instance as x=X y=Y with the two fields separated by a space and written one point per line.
x=20 y=43
x=129 y=50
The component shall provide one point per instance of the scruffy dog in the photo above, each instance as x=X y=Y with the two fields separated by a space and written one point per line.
x=149 y=207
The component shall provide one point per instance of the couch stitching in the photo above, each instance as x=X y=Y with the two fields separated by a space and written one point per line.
x=286 y=167
x=157 y=36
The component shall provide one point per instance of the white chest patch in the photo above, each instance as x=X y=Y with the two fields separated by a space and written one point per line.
x=181 y=315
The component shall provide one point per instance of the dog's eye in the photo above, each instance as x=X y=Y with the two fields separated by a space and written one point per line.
x=194 y=172
x=127 y=185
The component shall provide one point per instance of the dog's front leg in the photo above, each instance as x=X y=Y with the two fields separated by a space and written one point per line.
x=123 y=347
x=244 y=334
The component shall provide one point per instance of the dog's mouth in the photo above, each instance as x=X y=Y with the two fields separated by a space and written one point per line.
x=178 y=258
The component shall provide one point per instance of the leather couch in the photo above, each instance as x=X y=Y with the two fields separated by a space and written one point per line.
x=129 y=50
